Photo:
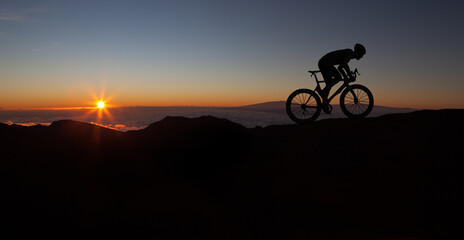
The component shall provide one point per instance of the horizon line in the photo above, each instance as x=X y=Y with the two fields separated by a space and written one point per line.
x=179 y=106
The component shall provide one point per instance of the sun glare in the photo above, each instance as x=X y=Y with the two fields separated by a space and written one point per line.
x=101 y=104
x=101 y=109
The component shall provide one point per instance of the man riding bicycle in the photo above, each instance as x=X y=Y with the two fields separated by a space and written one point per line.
x=356 y=101
x=341 y=58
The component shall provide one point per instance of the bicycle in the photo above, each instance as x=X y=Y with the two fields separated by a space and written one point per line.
x=304 y=105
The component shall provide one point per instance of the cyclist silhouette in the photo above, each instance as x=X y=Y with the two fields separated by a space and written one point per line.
x=356 y=101
x=341 y=58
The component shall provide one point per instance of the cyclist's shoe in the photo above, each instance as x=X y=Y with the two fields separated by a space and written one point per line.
x=327 y=108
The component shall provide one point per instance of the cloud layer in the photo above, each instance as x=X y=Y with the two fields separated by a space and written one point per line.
x=133 y=118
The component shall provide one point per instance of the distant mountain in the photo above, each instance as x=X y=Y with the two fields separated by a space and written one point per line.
x=273 y=107
x=278 y=107
x=398 y=176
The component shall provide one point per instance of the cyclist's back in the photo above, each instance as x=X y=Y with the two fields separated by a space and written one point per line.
x=327 y=64
x=337 y=57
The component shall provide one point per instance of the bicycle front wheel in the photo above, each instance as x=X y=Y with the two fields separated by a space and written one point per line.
x=303 y=106
x=356 y=102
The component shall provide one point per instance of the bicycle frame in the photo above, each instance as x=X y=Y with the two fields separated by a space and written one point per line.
x=304 y=105
x=340 y=89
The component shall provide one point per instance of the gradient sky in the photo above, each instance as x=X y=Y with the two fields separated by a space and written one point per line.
x=223 y=53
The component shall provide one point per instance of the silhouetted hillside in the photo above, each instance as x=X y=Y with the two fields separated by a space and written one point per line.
x=392 y=177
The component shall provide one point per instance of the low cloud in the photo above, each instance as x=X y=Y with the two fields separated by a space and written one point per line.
x=11 y=16
x=134 y=118
x=119 y=127
x=122 y=127
x=22 y=15
x=27 y=124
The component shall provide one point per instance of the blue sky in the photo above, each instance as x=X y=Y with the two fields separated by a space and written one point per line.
x=59 y=53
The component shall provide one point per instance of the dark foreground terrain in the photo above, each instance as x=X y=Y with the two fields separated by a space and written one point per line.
x=392 y=177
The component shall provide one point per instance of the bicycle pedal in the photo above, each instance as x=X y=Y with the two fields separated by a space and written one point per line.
x=327 y=109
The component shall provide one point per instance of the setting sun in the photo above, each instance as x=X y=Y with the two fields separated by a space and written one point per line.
x=101 y=104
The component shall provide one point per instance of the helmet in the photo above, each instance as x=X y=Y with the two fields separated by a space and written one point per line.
x=360 y=48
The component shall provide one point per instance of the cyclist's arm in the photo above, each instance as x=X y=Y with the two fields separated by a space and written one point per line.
x=344 y=69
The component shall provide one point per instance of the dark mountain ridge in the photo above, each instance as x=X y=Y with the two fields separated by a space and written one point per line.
x=389 y=177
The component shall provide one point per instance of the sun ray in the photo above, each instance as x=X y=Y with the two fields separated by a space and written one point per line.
x=101 y=108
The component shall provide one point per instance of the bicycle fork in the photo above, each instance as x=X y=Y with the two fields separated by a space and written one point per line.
x=355 y=98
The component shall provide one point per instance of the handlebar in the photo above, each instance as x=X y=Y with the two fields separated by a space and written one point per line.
x=354 y=73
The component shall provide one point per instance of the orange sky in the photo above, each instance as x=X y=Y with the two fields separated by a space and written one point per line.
x=223 y=53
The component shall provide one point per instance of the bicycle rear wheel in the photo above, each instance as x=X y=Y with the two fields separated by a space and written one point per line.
x=303 y=106
x=357 y=102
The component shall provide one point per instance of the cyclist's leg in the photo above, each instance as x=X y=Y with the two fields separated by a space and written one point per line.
x=325 y=71
x=335 y=77
x=331 y=77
